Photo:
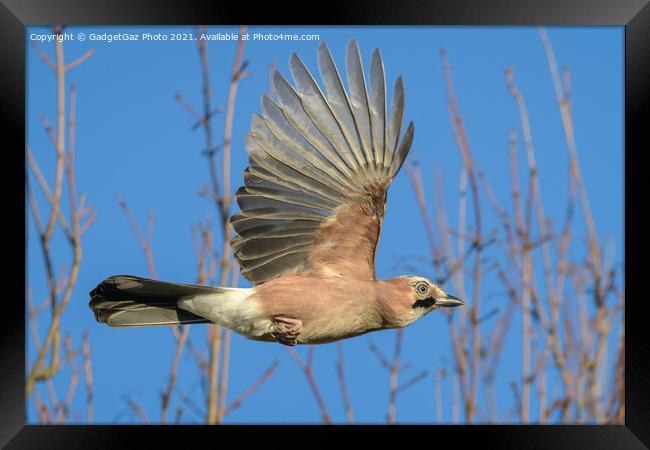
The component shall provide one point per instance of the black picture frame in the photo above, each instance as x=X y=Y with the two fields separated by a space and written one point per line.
x=15 y=15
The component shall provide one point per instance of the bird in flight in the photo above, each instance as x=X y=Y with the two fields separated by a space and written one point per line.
x=312 y=205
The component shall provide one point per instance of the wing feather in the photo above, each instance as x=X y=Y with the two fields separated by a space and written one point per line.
x=273 y=247
x=251 y=200
x=320 y=111
x=339 y=102
x=297 y=198
x=269 y=268
x=258 y=175
x=293 y=110
x=250 y=227
x=288 y=156
x=319 y=169
x=283 y=131
x=359 y=99
x=402 y=150
x=261 y=159
x=396 y=117
x=378 y=107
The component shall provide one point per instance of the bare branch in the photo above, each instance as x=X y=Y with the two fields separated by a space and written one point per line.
x=136 y=408
x=567 y=122
x=309 y=374
x=90 y=401
x=415 y=176
x=166 y=395
x=145 y=244
x=225 y=367
x=268 y=373
x=189 y=108
x=79 y=60
x=43 y=56
x=344 y=388
x=463 y=144
x=60 y=138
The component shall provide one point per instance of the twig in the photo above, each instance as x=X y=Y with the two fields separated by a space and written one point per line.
x=188 y=107
x=46 y=191
x=268 y=373
x=191 y=405
x=166 y=395
x=145 y=244
x=89 y=378
x=463 y=144
x=214 y=341
x=79 y=60
x=415 y=176
x=205 y=119
x=179 y=413
x=137 y=409
x=60 y=135
x=43 y=56
x=438 y=394
x=42 y=409
x=344 y=388
x=395 y=368
x=63 y=408
x=38 y=372
x=552 y=326
x=517 y=397
x=411 y=382
x=225 y=367
x=505 y=220
x=455 y=413
x=497 y=340
x=617 y=415
x=382 y=359
x=567 y=122
x=394 y=372
x=309 y=374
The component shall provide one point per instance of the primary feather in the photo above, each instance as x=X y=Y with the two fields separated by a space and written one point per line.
x=320 y=164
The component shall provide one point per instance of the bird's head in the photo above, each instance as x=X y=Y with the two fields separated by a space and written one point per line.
x=412 y=297
x=428 y=295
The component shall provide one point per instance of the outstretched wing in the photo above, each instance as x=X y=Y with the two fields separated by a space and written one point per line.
x=319 y=169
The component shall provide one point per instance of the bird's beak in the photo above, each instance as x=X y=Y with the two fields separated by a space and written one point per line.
x=449 y=301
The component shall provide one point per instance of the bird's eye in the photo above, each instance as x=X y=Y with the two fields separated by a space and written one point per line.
x=422 y=288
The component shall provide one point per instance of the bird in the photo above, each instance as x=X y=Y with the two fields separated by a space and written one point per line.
x=311 y=209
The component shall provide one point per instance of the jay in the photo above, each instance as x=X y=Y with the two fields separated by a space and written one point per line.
x=311 y=210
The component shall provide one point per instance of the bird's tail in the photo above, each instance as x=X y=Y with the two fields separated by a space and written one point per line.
x=128 y=301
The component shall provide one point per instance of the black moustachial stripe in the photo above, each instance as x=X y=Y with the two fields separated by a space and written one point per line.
x=426 y=303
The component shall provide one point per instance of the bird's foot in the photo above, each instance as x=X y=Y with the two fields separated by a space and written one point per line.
x=287 y=330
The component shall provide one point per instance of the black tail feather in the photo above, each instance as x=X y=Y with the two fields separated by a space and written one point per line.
x=129 y=301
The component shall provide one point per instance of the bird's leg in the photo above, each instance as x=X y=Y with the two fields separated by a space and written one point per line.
x=288 y=330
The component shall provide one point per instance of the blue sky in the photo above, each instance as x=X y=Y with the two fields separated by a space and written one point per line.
x=135 y=140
